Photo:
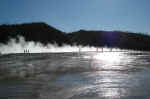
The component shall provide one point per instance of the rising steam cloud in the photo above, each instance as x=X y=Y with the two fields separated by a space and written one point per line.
x=36 y=47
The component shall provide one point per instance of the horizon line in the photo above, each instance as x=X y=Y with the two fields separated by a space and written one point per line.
x=35 y=22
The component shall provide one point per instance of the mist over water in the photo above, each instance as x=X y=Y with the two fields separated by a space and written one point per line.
x=89 y=75
x=18 y=46
x=14 y=46
x=96 y=75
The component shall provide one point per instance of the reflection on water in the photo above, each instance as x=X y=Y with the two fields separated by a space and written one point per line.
x=120 y=62
x=116 y=75
x=111 y=57
x=91 y=75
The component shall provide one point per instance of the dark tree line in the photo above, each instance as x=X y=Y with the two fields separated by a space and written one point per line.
x=38 y=32
x=42 y=32
x=118 y=39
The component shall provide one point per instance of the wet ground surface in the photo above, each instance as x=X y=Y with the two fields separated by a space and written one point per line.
x=107 y=75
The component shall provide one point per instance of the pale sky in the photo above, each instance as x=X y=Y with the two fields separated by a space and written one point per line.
x=73 y=15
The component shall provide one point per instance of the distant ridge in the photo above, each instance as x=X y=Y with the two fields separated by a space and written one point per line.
x=38 y=31
x=42 y=32
x=118 y=39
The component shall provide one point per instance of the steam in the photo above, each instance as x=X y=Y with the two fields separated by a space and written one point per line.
x=36 y=47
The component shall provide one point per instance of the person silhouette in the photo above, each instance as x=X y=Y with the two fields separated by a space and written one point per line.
x=25 y=51
x=97 y=49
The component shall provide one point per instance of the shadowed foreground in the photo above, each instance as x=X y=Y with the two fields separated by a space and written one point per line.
x=108 y=75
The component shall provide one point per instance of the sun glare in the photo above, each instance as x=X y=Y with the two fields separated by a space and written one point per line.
x=108 y=56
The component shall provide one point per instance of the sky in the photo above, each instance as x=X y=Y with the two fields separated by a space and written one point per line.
x=73 y=15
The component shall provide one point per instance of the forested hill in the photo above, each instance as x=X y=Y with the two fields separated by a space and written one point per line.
x=42 y=32
x=124 y=40
x=39 y=31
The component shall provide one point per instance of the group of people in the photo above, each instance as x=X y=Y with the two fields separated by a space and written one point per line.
x=26 y=51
